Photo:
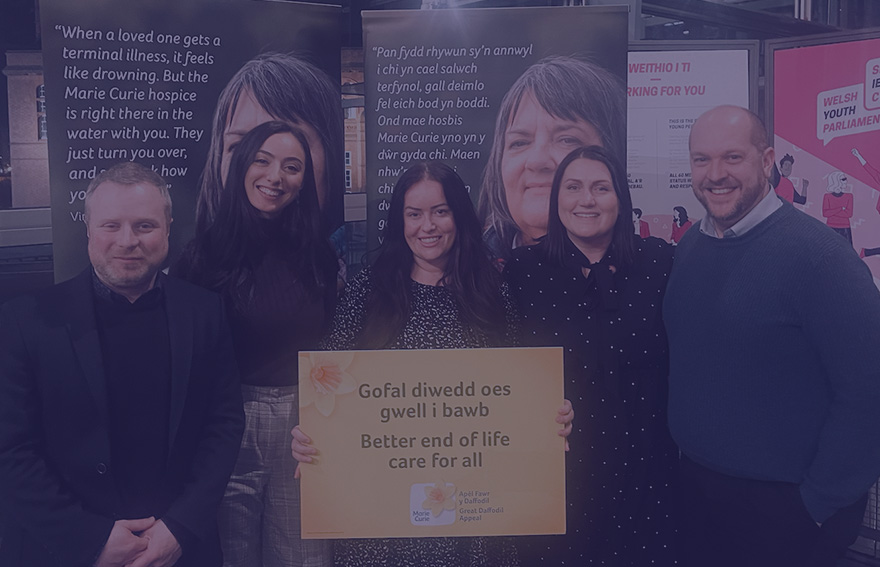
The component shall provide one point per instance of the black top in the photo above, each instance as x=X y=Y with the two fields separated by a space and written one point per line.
x=275 y=314
x=136 y=352
x=282 y=318
x=622 y=464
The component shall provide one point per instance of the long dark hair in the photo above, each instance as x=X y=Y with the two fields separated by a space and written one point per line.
x=469 y=275
x=226 y=250
x=623 y=239
x=292 y=90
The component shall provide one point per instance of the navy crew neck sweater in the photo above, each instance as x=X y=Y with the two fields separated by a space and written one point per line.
x=775 y=358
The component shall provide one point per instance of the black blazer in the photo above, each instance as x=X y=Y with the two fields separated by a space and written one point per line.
x=56 y=475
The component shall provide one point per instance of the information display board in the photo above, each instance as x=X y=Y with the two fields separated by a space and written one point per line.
x=667 y=89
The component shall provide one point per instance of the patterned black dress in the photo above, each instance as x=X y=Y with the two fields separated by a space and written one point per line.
x=622 y=465
x=433 y=323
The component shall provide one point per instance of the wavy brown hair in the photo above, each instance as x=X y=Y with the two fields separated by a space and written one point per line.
x=469 y=275
x=223 y=254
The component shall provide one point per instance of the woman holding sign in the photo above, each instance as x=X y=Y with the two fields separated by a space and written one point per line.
x=265 y=253
x=595 y=288
x=557 y=105
x=431 y=286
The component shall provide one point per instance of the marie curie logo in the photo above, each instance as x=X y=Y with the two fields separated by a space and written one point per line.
x=432 y=504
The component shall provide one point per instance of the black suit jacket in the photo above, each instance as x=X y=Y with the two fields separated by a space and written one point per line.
x=56 y=475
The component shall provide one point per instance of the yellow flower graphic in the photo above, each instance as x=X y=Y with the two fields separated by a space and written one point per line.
x=439 y=497
x=325 y=379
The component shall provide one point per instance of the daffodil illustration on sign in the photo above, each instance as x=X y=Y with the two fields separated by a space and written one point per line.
x=326 y=378
x=439 y=497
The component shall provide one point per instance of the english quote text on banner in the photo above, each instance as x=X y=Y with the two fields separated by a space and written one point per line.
x=140 y=81
x=424 y=443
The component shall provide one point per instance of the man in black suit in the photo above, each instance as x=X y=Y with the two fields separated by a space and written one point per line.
x=120 y=409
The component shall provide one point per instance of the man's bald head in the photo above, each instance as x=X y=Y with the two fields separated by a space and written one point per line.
x=730 y=163
x=729 y=115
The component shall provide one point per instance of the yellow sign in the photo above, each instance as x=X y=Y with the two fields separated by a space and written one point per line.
x=422 y=443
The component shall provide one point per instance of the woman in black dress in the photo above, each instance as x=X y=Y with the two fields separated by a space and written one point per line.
x=431 y=286
x=596 y=289
x=266 y=253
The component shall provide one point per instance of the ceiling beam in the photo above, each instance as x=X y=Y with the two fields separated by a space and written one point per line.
x=764 y=24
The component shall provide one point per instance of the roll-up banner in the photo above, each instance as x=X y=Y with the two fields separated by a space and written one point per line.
x=140 y=81
x=667 y=90
x=826 y=125
x=500 y=94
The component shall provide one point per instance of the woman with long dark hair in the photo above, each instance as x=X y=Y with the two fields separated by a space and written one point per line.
x=432 y=285
x=287 y=88
x=411 y=266
x=595 y=288
x=265 y=253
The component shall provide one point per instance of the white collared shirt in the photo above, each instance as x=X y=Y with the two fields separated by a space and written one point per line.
x=765 y=207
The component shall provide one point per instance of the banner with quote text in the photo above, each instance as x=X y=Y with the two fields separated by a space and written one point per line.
x=140 y=81
x=459 y=85
x=429 y=443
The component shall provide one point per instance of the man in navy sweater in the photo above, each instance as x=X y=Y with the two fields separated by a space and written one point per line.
x=774 y=332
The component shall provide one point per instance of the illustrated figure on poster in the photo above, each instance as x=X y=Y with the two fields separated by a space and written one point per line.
x=875 y=175
x=872 y=171
x=432 y=285
x=785 y=184
x=774 y=378
x=278 y=86
x=837 y=205
x=555 y=106
x=641 y=227
x=267 y=255
x=680 y=224
x=595 y=288
x=120 y=409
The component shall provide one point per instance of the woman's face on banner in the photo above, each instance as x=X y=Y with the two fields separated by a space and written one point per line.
x=535 y=142
x=275 y=177
x=247 y=115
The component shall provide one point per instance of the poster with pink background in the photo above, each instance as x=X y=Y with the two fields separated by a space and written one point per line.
x=826 y=107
